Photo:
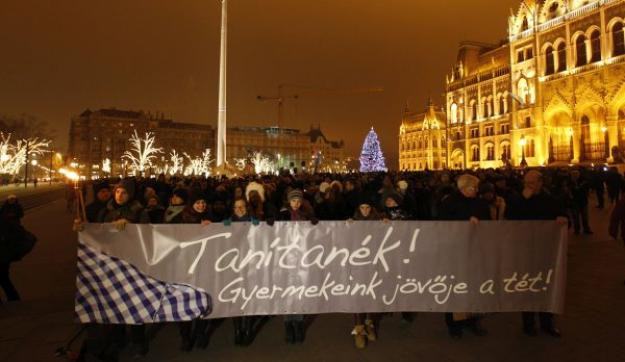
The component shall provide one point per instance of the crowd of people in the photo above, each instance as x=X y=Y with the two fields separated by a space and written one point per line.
x=561 y=195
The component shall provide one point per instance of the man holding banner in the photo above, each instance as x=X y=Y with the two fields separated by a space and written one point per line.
x=536 y=204
x=465 y=205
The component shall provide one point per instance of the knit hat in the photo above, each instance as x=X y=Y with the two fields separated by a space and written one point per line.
x=295 y=194
x=181 y=193
x=97 y=186
x=194 y=197
x=403 y=185
x=255 y=186
x=365 y=199
x=393 y=195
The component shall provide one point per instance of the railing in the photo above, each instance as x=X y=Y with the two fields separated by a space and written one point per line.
x=583 y=10
x=559 y=20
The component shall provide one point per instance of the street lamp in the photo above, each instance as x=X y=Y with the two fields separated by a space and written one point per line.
x=606 y=141
x=523 y=142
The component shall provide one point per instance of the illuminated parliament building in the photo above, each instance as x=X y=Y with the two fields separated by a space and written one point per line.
x=553 y=93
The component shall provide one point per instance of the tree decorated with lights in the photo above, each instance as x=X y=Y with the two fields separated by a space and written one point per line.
x=371 y=157
x=142 y=152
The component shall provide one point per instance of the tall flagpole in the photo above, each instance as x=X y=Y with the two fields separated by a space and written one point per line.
x=221 y=120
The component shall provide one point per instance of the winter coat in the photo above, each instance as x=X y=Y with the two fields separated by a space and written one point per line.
x=300 y=215
x=542 y=206
x=93 y=210
x=10 y=233
x=395 y=213
x=12 y=212
x=156 y=214
x=173 y=214
x=459 y=207
x=132 y=211
x=580 y=190
x=270 y=213
x=190 y=216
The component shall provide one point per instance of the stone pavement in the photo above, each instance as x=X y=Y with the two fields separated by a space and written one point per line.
x=593 y=325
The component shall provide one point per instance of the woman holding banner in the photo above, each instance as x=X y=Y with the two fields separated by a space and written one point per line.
x=243 y=326
x=365 y=328
x=295 y=331
x=195 y=211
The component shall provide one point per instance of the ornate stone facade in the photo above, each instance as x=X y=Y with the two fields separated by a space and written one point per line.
x=553 y=93
x=423 y=140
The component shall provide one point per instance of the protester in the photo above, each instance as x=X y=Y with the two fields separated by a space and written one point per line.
x=243 y=326
x=177 y=203
x=195 y=212
x=365 y=328
x=295 y=330
x=613 y=181
x=580 y=190
x=122 y=209
x=10 y=232
x=11 y=210
x=534 y=203
x=616 y=227
x=464 y=205
x=102 y=193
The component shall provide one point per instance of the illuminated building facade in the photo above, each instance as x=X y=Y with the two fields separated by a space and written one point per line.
x=553 y=93
x=423 y=140
x=104 y=134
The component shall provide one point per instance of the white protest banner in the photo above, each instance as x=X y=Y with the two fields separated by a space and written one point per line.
x=300 y=268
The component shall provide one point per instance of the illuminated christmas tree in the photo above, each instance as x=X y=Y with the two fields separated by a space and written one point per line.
x=371 y=157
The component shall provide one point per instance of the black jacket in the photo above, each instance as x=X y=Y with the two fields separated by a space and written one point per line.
x=132 y=211
x=459 y=207
x=93 y=210
x=542 y=206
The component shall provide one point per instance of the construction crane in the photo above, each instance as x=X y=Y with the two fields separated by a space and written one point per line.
x=281 y=98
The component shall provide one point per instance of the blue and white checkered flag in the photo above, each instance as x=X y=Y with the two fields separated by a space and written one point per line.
x=112 y=291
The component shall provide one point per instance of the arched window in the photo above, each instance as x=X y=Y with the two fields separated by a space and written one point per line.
x=525 y=25
x=562 y=57
x=453 y=113
x=491 y=104
x=485 y=114
x=621 y=114
x=549 y=61
x=505 y=151
x=502 y=105
x=475 y=153
x=618 y=40
x=490 y=153
x=595 y=44
x=580 y=51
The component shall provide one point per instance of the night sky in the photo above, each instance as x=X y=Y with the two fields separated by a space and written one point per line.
x=59 y=57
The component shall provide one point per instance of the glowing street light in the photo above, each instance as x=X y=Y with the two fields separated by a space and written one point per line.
x=523 y=142
x=606 y=141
